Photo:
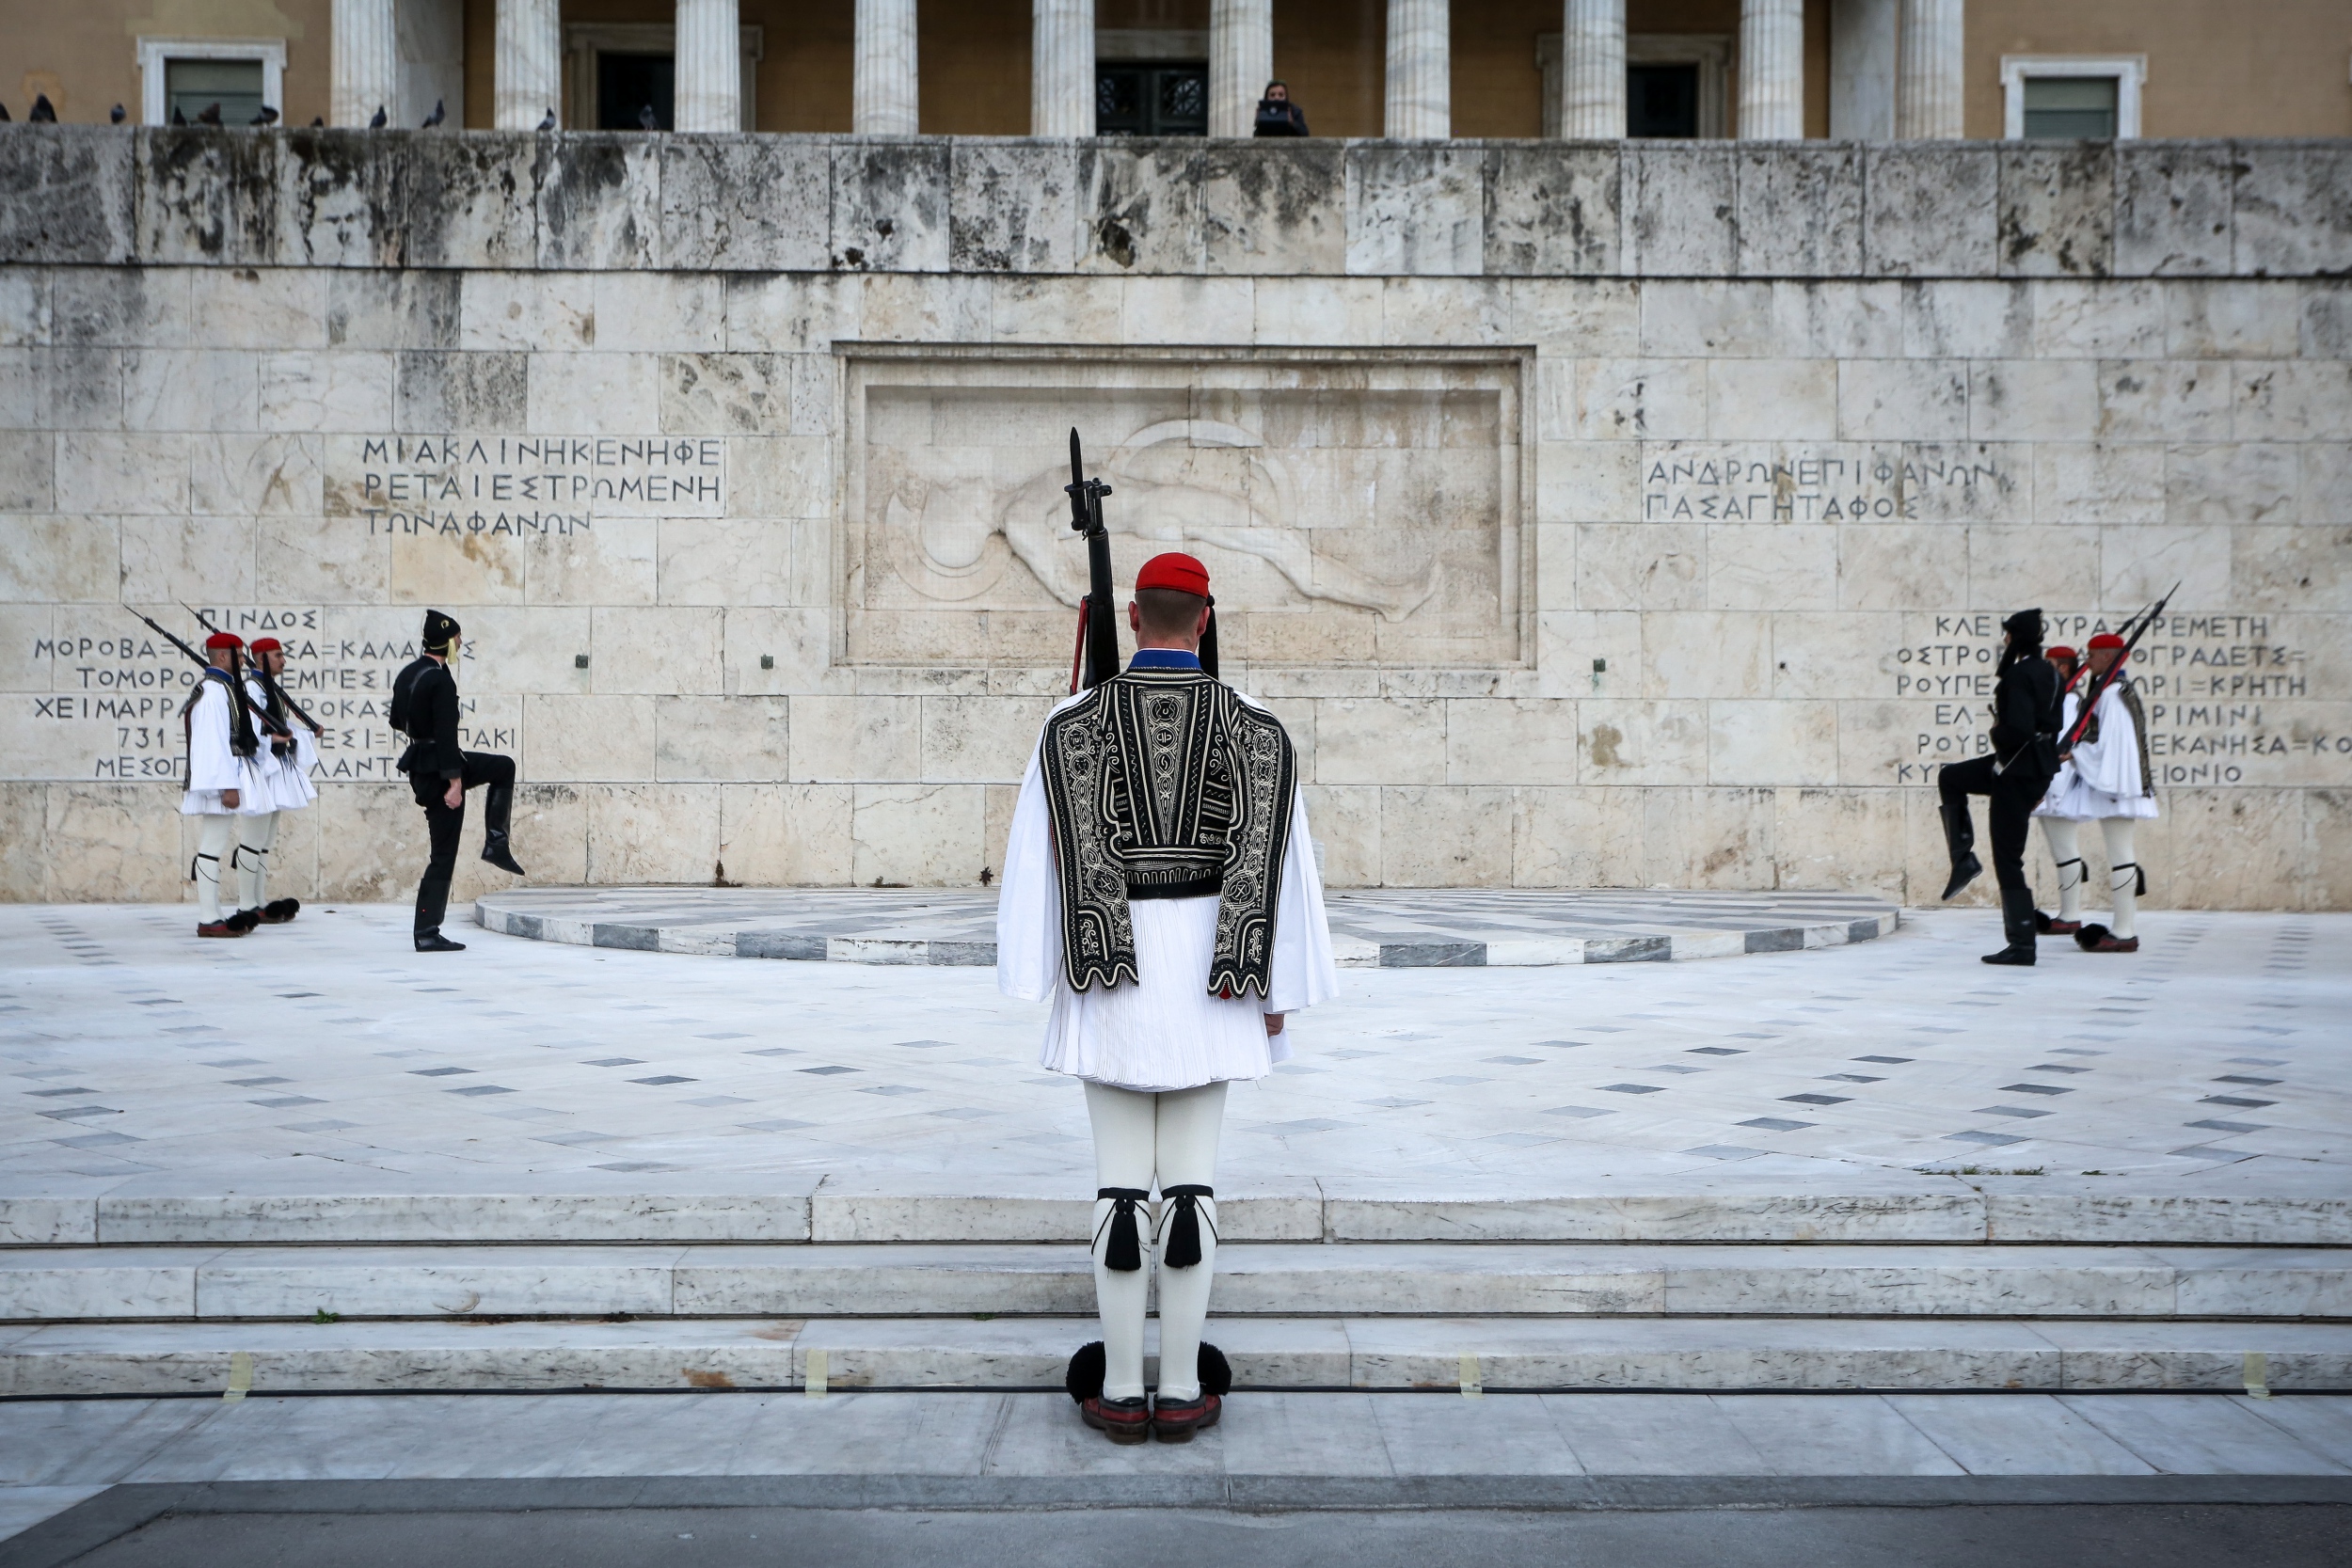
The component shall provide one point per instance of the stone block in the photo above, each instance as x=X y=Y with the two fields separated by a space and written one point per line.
x=1363 y=741
x=322 y=561
x=2326 y=332
x=99 y=472
x=979 y=739
x=1071 y=309
x=1139 y=203
x=1552 y=209
x=1799 y=211
x=549 y=312
x=1704 y=319
x=1771 y=742
x=599 y=200
x=1572 y=317
x=261 y=475
x=734 y=204
x=792 y=314
x=2136 y=565
x=2172 y=209
x=431 y=567
x=2232 y=321
x=891 y=211
x=23 y=819
x=1345 y=821
x=1012 y=205
x=842 y=739
x=468 y=202
x=1575 y=838
x=1443 y=312
x=1827 y=655
x=2033 y=400
x=186 y=389
x=1642 y=743
x=713 y=739
x=338 y=199
x=109 y=840
x=906 y=307
x=1641 y=567
x=917 y=836
x=1846 y=840
x=395 y=310
x=2232 y=483
x=530 y=649
x=2056 y=210
x=70 y=196
x=206 y=196
x=1902 y=400
x=1696 y=839
x=2293 y=399
x=28 y=471
x=649 y=832
x=572 y=739
x=1274 y=208
x=2173 y=400
x=1314 y=310
x=24 y=303
x=1525 y=741
x=1569 y=643
x=1679 y=207
x=1967 y=319
x=450 y=392
x=1705 y=653
x=274 y=307
x=780 y=476
x=1416 y=208
x=657 y=649
x=1932 y=211
x=371 y=841
x=2290 y=205
x=1793 y=400
x=61 y=388
x=2225 y=848
x=2291 y=569
x=2013 y=567
x=1186 y=310
x=2099 y=482
x=1838 y=320
x=592 y=394
x=65 y=560
x=1640 y=399
x=724 y=560
x=1777 y=567
x=118 y=306
x=1586 y=481
x=2075 y=320
x=665 y=312
x=321 y=390
x=1423 y=844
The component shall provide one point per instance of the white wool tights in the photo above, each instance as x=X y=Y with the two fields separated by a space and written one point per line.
x=1145 y=1141
x=2066 y=850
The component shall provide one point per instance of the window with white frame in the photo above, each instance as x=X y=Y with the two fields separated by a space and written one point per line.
x=2069 y=97
x=191 y=74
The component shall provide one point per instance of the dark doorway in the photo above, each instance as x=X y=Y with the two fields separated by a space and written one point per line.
x=626 y=82
x=1662 y=100
x=1151 y=98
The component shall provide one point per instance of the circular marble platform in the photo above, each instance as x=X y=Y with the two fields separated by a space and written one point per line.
x=1393 y=929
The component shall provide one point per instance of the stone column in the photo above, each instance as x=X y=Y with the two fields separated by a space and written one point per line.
x=1061 y=68
x=884 y=97
x=1241 y=60
x=1591 y=69
x=529 y=63
x=1930 y=74
x=709 y=81
x=1772 y=69
x=1421 y=69
x=364 y=59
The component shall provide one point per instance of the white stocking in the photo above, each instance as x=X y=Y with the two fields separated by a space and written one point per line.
x=1124 y=1139
x=256 y=835
x=1189 y=1121
x=2122 y=875
x=2066 y=850
x=212 y=843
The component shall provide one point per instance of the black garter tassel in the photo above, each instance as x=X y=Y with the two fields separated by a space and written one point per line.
x=1124 y=1255
x=1183 y=1226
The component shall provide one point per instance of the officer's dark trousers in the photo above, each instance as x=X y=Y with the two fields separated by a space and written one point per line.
x=444 y=822
x=2010 y=797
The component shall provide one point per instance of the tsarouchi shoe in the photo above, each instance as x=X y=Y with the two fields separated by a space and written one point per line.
x=244 y=920
x=1176 y=1421
x=219 y=928
x=2098 y=939
x=278 y=910
x=1120 y=1420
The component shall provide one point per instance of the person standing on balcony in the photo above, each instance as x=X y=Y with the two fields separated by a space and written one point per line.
x=1278 y=116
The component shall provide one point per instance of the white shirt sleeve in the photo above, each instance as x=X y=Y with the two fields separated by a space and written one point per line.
x=1029 y=899
x=212 y=765
x=1304 y=971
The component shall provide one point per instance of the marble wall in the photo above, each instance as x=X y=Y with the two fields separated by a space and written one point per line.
x=1590 y=514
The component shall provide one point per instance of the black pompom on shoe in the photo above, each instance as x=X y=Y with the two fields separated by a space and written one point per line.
x=278 y=910
x=1085 y=1377
x=244 y=921
x=1216 y=1373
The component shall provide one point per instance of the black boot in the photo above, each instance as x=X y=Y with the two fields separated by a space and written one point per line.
x=1960 y=837
x=432 y=903
x=498 y=806
x=2017 y=913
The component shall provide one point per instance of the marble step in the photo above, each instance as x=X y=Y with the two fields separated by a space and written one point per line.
x=1433 y=1354
x=1893 y=1207
x=1266 y=1280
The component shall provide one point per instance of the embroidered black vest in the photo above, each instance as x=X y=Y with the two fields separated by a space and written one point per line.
x=1164 y=784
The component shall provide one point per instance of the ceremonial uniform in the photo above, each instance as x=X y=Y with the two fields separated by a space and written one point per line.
x=2056 y=831
x=2013 y=777
x=225 y=780
x=1160 y=890
x=287 y=753
x=2105 y=778
x=424 y=706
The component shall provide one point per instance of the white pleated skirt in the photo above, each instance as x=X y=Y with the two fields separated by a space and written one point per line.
x=2077 y=801
x=255 y=796
x=1167 y=1032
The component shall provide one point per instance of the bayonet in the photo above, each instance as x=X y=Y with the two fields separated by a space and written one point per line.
x=1096 y=659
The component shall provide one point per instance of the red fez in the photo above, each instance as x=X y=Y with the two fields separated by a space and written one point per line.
x=265 y=645
x=2061 y=651
x=1174 y=570
x=223 y=639
x=2105 y=639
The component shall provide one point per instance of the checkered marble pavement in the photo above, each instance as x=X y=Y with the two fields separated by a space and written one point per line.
x=1417 y=929
x=323 y=1055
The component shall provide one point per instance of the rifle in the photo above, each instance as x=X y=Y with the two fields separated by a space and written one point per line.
x=2133 y=629
x=244 y=699
x=269 y=683
x=1096 y=657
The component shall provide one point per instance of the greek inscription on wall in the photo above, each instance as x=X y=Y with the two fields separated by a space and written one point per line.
x=1745 y=482
x=114 y=709
x=519 y=486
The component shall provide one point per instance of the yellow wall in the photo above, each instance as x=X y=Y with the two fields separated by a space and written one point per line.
x=84 y=53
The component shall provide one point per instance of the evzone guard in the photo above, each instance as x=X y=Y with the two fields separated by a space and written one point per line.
x=1160 y=890
x=288 y=752
x=2104 y=778
x=2014 y=777
x=226 y=783
x=425 y=708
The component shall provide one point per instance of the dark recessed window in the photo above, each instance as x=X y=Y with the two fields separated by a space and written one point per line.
x=1151 y=98
x=2070 y=106
x=625 y=84
x=1662 y=100
x=192 y=86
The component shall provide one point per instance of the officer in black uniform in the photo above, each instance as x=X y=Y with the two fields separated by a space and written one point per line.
x=424 y=707
x=2013 y=778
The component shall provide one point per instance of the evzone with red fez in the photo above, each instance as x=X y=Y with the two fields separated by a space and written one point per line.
x=2105 y=778
x=226 y=782
x=287 y=752
x=1160 y=890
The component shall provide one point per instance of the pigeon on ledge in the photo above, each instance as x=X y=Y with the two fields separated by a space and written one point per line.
x=647 y=118
x=549 y=123
x=380 y=120
x=44 y=112
x=209 y=115
x=116 y=115
x=440 y=112
x=267 y=117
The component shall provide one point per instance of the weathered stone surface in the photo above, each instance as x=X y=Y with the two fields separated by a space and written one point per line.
x=1417 y=208
x=1552 y=209
x=745 y=203
x=891 y=209
x=68 y=195
x=1799 y=211
x=2058 y=210
x=469 y=201
x=599 y=201
x=1012 y=205
x=207 y=195
x=1931 y=210
x=2172 y=209
x=2290 y=211
x=1273 y=210
x=1139 y=203
x=1680 y=210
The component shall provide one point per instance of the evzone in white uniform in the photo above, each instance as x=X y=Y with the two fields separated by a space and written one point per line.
x=226 y=782
x=2103 y=780
x=1160 y=891
x=285 y=765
